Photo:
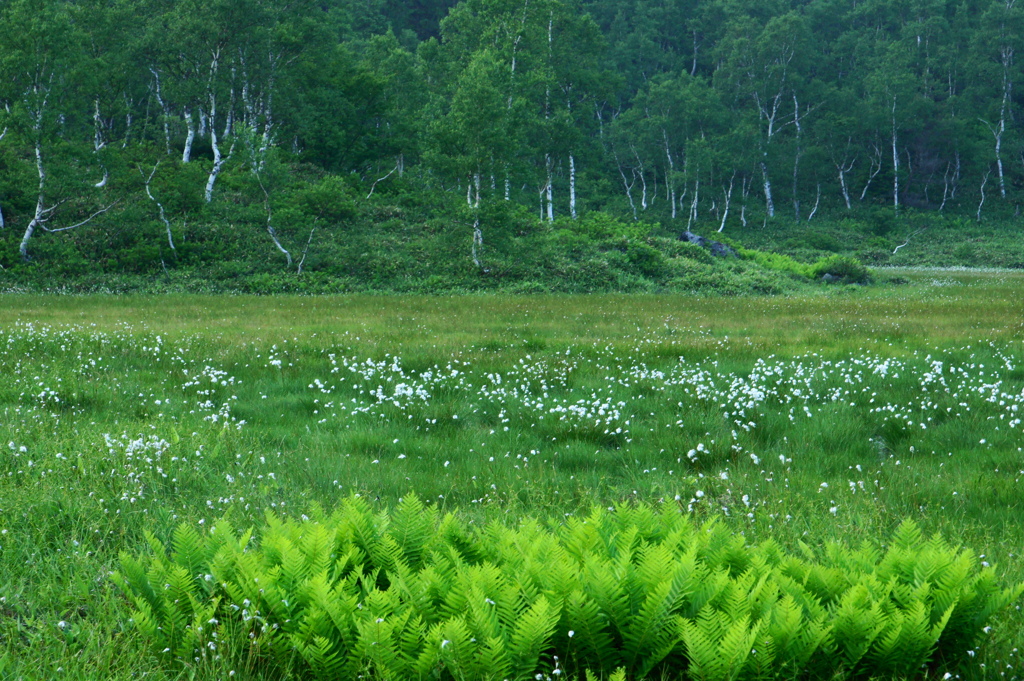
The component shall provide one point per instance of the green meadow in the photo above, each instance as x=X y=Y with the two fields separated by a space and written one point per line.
x=809 y=419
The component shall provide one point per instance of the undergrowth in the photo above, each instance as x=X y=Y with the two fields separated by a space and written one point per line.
x=414 y=595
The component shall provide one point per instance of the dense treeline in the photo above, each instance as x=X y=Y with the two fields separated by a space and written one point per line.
x=153 y=132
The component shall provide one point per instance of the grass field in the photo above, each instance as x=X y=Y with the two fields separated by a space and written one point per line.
x=815 y=418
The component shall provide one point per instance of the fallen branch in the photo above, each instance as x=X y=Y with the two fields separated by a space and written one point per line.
x=86 y=221
x=908 y=240
x=381 y=179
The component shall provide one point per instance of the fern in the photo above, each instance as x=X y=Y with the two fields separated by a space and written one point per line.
x=590 y=641
x=412 y=528
x=414 y=596
x=531 y=637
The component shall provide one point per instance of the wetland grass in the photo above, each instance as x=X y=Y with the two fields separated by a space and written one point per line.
x=804 y=419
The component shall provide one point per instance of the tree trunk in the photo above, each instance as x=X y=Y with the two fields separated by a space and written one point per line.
x=164 y=109
x=548 y=191
x=817 y=202
x=128 y=120
x=981 y=203
x=190 y=136
x=843 y=169
x=670 y=179
x=218 y=163
x=277 y=242
x=769 y=205
x=728 y=200
x=694 y=205
x=876 y=167
x=1007 y=60
x=39 y=216
x=160 y=207
x=478 y=242
x=895 y=161
x=98 y=141
x=693 y=66
x=572 y=186
x=796 y=158
x=629 y=187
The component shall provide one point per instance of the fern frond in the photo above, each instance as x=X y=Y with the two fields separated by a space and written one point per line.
x=531 y=637
x=590 y=640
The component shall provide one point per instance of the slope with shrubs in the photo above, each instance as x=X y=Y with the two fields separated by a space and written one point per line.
x=398 y=244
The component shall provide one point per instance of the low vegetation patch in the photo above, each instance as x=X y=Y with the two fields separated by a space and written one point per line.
x=412 y=595
x=727 y=435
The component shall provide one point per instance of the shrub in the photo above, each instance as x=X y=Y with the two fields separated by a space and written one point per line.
x=411 y=595
x=776 y=261
x=648 y=260
x=600 y=225
x=845 y=267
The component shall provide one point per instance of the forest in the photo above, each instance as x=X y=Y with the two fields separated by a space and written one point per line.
x=378 y=144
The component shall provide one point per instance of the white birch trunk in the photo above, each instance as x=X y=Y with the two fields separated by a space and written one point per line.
x=164 y=109
x=945 y=188
x=218 y=163
x=549 y=198
x=817 y=202
x=478 y=242
x=160 y=207
x=1007 y=60
x=218 y=158
x=984 y=182
x=190 y=136
x=895 y=161
x=39 y=216
x=694 y=205
x=629 y=188
x=572 y=187
x=769 y=204
x=876 y=167
x=670 y=180
x=796 y=158
x=99 y=142
x=128 y=120
x=728 y=200
x=745 y=184
x=769 y=113
x=270 y=224
x=277 y=242
x=843 y=169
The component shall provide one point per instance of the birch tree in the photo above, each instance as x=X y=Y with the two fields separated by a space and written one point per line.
x=760 y=74
x=41 y=47
x=1001 y=41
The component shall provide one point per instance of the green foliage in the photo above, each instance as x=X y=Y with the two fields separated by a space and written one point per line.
x=845 y=267
x=602 y=225
x=411 y=594
x=778 y=262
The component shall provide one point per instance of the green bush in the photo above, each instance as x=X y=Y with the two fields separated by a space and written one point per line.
x=674 y=248
x=412 y=595
x=649 y=261
x=777 y=262
x=845 y=267
x=600 y=225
